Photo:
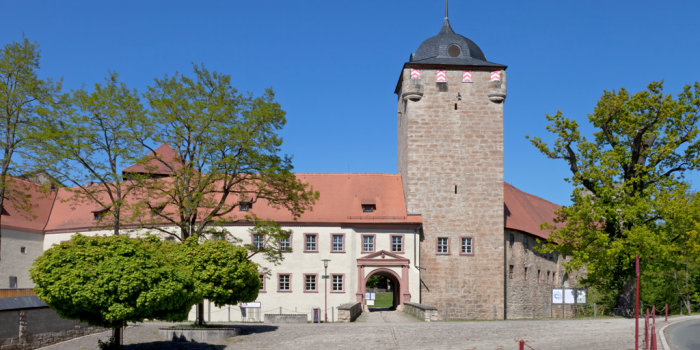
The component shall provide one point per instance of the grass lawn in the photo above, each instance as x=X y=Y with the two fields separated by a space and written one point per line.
x=385 y=299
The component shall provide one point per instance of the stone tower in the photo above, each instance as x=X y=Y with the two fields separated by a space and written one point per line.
x=450 y=157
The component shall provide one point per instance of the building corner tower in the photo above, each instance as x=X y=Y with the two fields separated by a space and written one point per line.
x=450 y=158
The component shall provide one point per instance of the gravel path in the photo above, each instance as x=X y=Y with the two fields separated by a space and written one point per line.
x=385 y=330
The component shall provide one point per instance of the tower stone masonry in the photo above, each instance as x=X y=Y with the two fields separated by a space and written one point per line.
x=450 y=157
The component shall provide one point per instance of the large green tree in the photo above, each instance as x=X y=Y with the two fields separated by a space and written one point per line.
x=624 y=180
x=87 y=139
x=109 y=281
x=226 y=155
x=22 y=95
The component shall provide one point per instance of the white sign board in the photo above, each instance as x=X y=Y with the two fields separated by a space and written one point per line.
x=370 y=296
x=557 y=296
x=580 y=297
x=370 y=302
x=255 y=304
x=569 y=296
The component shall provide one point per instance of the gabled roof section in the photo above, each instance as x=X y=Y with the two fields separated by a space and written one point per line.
x=382 y=255
x=526 y=212
x=27 y=205
x=153 y=162
x=340 y=203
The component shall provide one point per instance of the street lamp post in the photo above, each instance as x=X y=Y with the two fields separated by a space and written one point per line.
x=325 y=288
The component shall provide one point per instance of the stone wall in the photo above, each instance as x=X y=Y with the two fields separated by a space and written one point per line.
x=530 y=277
x=450 y=156
x=34 y=328
x=423 y=312
x=349 y=312
x=285 y=318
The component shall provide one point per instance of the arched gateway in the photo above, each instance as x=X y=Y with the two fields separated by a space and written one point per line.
x=387 y=264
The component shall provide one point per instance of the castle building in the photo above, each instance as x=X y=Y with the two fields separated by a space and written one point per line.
x=447 y=231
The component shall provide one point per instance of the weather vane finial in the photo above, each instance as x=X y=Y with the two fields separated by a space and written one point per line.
x=445 y=8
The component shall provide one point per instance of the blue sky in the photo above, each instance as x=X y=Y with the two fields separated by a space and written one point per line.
x=334 y=64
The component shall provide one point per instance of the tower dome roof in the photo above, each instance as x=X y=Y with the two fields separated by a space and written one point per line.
x=450 y=48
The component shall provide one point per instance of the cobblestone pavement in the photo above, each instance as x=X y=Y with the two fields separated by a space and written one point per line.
x=614 y=334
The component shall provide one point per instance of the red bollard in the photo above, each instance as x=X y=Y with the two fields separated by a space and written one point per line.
x=653 y=338
x=522 y=345
x=653 y=314
x=646 y=331
x=666 y=308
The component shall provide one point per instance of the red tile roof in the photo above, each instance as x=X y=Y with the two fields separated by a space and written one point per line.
x=154 y=162
x=340 y=202
x=27 y=206
x=526 y=212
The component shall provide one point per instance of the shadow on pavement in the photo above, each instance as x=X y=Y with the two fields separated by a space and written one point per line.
x=251 y=329
x=176 y=345
x=378 y=309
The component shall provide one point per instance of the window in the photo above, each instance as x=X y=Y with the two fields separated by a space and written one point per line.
x=99 y=214
x=547 y=277
x=538 y=276
x=443 y=245
x=258 y=241
x=23 y=250
x=526 y=276
x=554 y=277
x=286 y=243
x=511 y=239
x=310 y=242
x=397 y=243
x=156 y=211
x=245 y=206
x=337 y=284
x=262 y=282
x=13 y=281
x=310 y=283
x=284 y=282
x=467 y=248
x=510 y=272
x=219 y=237
x=369 y=208
x=338 y=243
x=170 y=239
x=367 y=243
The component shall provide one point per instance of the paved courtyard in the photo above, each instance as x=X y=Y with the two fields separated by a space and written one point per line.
x=387 y=330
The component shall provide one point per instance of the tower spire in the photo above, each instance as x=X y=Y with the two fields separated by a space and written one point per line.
x=445 y=9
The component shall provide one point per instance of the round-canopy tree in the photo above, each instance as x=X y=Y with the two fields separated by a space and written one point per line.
x=221 y=270
x=109 y=281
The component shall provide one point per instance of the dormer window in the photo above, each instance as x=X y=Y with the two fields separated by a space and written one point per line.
x=245 y=206
x=99 y=214
x=369 y=208
x=155 y=211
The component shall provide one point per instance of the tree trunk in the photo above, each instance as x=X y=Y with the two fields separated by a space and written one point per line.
x=200 y=314
x=624 y=306
x=118 y=336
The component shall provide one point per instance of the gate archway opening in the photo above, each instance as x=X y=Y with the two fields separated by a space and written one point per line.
x=386 y=285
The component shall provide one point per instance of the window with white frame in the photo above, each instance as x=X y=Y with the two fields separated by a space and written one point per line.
x=397 y=243
x=285 y=283
x=337 y=283
x=467 y=247
x=310 y=283
x=368 y=243
x=262 y=282
x=258 y=241
x=286 y=243
x=311 y=245
x=443 y=245
x=338 y=243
